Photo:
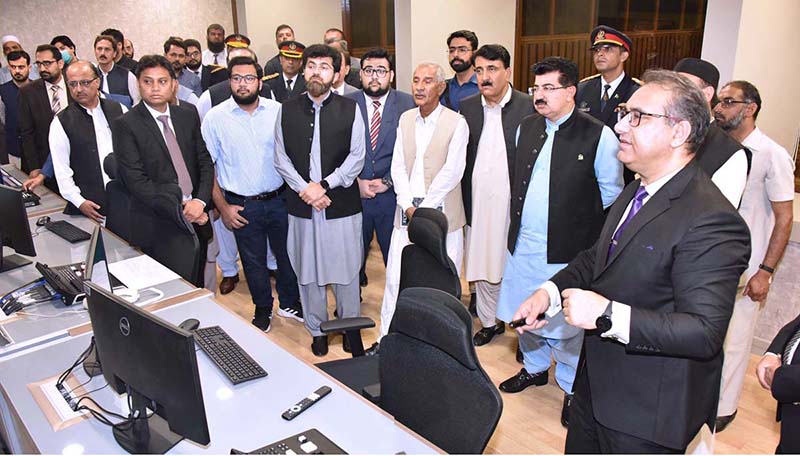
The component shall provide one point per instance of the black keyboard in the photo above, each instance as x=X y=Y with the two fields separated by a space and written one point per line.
x=309 y=442
x=68 y=231
x=30 y=199
x=234 y=362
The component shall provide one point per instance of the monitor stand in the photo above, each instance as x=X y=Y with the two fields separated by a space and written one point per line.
x=12 y=261
x=144 y=435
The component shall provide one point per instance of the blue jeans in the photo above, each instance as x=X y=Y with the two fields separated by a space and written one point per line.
x=268 y=220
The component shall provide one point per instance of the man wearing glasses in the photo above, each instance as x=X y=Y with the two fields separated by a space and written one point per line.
x=460 y=46
x=566 y=174
x=240 y=136
x=80 y=139
x=381 y=107
x=208 y=74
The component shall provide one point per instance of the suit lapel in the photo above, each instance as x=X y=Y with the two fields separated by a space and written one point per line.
x=389 y=117
x=151 y=125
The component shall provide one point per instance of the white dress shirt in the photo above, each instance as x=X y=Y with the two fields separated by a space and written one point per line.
x=60 y=153
x=63 y=97
x=133 y=84
x=222 y=57
x=371 y=109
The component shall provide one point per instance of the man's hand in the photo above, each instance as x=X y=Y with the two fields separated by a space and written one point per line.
x=582 y=307
x=203 y=219
x=410 y=213
x=766 y=370
x=89 y=209
x=758 y=286
x=321 y=203
x=364 y=188
x=312 y=193
x=534 y=305
x=33 y=182
x=377 y=186
x=193 y=210
x=231 y=217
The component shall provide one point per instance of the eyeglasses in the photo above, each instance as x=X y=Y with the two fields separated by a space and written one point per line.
x=322 y=68
x=728 y=103
x=459 y=50
x=248 y=78
x=193 y=54
x=379 y=72
x=548 y=89
x=636 y=116
x=83 y=83
x=44 y=63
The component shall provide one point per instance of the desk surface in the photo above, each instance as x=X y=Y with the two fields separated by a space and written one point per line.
x=53 y=318
x=244 y=416
x=50 y=202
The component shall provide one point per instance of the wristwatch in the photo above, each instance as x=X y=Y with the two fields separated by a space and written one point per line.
x=766 y=268
x=603 y=322
x=324 y=184
x=387 y=182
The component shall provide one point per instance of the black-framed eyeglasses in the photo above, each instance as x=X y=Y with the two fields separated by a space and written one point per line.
x=248 y=78
x=380 y=72
x=548 y=89
x=83 y=83
x=636 y=116
x=44 y=63
x=729 y=102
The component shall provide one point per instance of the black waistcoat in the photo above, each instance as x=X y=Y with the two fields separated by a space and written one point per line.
x=335 y=125
x=575 y=211
x=83 y=156
x=9 y=93
x=717 y=148
x=118 y=81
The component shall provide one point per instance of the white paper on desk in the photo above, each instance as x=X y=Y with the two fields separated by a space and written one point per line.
x=141 y=272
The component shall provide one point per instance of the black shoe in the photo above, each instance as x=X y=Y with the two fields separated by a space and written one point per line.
x=364 y=281
x=565 y=409
x=473 y=306
x=227 y=284
x=262 y=318
x=723 y=422
x=523 y=380
x=520 y=359
x=373 y=350
x=346 y=344
x=485 y=335
x=319 y=346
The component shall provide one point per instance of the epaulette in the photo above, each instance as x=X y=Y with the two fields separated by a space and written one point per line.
x=590 y=77
x=270 y=76
x=216 y=68
x=638 y=81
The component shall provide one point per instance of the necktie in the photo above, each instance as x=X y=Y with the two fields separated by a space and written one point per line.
x=55 y=106
x=184 y=181
x=604 y=100
x=375 y=124
x=789 y=346
x=638 y=202
x=216 y=62
x=288 y=85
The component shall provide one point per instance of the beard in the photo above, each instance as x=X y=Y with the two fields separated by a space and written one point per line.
x=459 y=65
x=20 y=77
x=49 y=77
x=732 y=124
x=376 y=93
x=216 y=48
x=317 y=87
x=246 y=99
x=192 y=65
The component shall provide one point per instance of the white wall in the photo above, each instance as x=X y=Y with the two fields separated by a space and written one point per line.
x=422 y=27
x=147 y=23
x=308 y=18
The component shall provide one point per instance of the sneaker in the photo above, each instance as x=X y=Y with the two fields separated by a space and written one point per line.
x=263 y=318
x=291 y=312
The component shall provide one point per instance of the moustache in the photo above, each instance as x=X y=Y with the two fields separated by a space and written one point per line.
x=540 y=101
x=487 y=84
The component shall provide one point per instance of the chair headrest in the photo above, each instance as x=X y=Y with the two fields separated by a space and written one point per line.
x=110 y=166
x=438 y=319
x=428 y=229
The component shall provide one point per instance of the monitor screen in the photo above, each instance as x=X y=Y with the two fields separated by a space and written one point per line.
x=96 y=261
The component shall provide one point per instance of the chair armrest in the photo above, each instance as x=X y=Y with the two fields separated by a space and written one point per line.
x=372 y=392
x=346 y=324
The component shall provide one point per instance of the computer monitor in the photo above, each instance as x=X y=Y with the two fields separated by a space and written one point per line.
x=14 y=229
x=96 y=261
x=155 y=363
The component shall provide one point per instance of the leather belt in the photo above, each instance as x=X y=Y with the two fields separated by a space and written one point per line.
x=260 y=197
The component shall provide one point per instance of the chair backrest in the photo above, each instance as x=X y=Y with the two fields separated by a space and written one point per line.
x=118 y=212
x=177 y=247
x=431 y=379
x=424 y=262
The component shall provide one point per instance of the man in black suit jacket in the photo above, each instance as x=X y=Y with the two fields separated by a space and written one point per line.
x=290 y=75
x=656 y=292
x=163 y=160
x=779 y=371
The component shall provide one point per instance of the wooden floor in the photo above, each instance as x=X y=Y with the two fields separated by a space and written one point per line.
x=531 y=419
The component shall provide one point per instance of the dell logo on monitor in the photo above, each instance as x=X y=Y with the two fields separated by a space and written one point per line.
x=124 y=326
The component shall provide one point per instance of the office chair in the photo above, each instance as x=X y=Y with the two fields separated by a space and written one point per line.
x=177 y=247
x=118 y=212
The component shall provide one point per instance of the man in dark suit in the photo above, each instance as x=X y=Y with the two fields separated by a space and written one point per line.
x=656 y=292
x=599 y=95
x=163 y=160
x=208 y=74
x=289 y=81
x=283 y=33
x=493 y=117
x=779 y=371
x=39 y=101
x=380 y=108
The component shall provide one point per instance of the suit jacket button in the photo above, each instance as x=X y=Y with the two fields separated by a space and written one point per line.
x=535 y=151
x=518 y=213
x=520 y=198
x=311 y=124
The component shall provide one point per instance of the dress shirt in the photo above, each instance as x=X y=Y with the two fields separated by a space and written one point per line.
x=133 y=85
x=191 y=81
x=292 y=78
x=614 y=84
x=621 y=313
x=407 y=186
x=60 y=153
x=731 y=177
x=204 y=104
x=458 y=92
x=64 y=98
x=222 y=57
x=185 y=94
x=242 y=146
x=371 y=109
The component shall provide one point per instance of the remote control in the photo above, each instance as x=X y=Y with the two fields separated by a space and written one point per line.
x=307 y=402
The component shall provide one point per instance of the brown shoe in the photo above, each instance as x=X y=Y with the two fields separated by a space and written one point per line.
x=228 y=284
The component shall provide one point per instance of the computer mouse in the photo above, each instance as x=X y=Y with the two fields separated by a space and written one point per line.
x=42 y=221
x=190 y=324
x=127 y=294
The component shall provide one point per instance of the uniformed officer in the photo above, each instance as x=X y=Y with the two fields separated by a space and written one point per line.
x=289 y=82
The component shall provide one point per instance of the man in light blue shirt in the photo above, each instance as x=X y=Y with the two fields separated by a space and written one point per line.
x=240 y=136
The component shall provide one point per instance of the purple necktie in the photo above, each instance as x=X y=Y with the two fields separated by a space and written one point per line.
x=184 y=180
x=638 y=202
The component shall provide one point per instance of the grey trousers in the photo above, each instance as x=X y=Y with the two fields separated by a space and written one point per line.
x=315 y=303
x=486 y=302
